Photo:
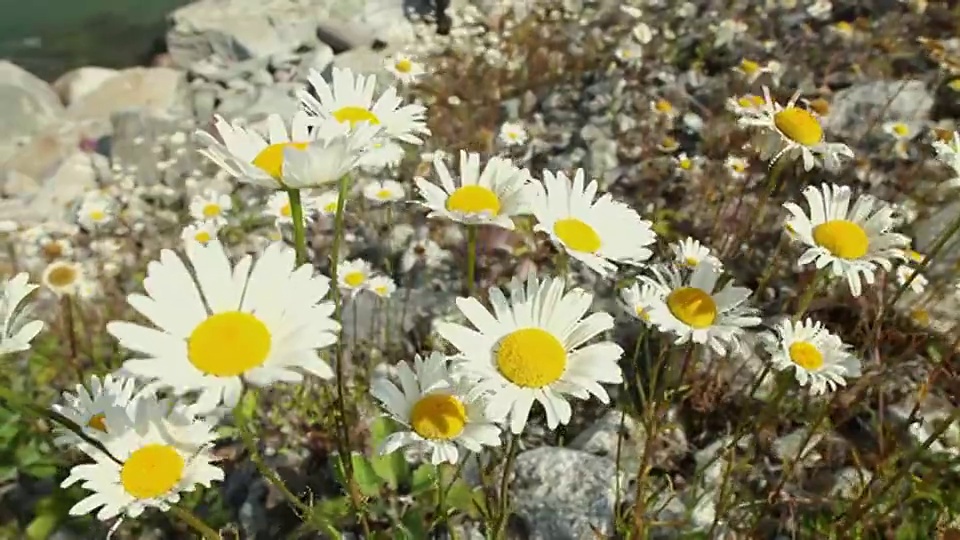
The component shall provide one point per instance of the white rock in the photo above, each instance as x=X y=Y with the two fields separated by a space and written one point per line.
x=76 y=176
x=27 y=105
x=76 y=83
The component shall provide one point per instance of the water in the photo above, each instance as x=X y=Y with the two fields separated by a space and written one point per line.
x=49 y=37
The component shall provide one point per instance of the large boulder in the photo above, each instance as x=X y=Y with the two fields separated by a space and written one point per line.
x=76 y=83
x=40 y=156
x=853 y=109
x=54 y=200
x=27 y=105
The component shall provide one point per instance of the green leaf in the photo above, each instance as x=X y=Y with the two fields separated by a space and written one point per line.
x=41 y=470
x=413 y=526
x=380 y=429
x=464 y=498
x=367 y=479
x=42 y=526
x=424 y=479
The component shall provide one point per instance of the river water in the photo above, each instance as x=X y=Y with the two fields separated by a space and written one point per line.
x=49 y=37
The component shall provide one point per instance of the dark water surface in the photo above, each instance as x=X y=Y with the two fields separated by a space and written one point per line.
x=49 y=37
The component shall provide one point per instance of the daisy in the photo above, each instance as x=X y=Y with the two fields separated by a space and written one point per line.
x=16 y=332
x=690 y=252
x=382 y=154
x=691 y=307
x=349 y=101
x=794 y=132
x=385 y=191
x=278 y=207
x=819 y=359
x=852 y=241
x=382 y=286
x=201 y=232
x=898 y=130
x=354 y=275
x=532 y=348
x=737 y=166
x=404 y=68
x=513 y=133
x=326 y=202
x=687 y=164
x=598 y=232
x=424 y=252
x=163 y=451
x=752 y=70
x=88 y=408
x=630 y=53
x=62 y=277
x=52 y=248
x=211 y=205
x=949 y=153
x=217 y=327
x=94 y=212
x=668 y=145
x=439 y=416
x=642 y=33
x=488 y=197
x=919 y=283
x=746 y=105
x=637 y=299
x=663 y=108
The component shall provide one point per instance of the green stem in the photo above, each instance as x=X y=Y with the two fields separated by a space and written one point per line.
x=808 y=294
x=194 y=521
x=502 y=514
x=471 y=258
x=299 y=233
x=941 y=242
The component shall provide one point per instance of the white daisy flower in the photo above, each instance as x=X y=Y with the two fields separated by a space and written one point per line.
x=438 y=415
x=63 y=277
x=490 y=197
x=211 y=205
x=404 y=68
x=687 y=164
x=336 y=151
x=532 y=347
x=382 y=286
x=819 y=359
x=88 y=408
x=381 y=154
x=852 y=241
x=919 y=283
x=898 y=130
x=690 y=252
x=349 y=101
x=354 y=275
x=217 y=326
x=385 y=191
x=746 y=105
x=51 y=248
x=949 y=153
x=513 y=134
x=737 y=166
x=629 y=52
x=694 y=310
x=16 y=332
x=663 y=107
x=794 y=132
x=201 y=232
x=163 y=452
x=637 y=299
x=95 y=212
x=326 y=202
x=422 y=251
x=752 y=70
x=591 y=231
x=278 y=207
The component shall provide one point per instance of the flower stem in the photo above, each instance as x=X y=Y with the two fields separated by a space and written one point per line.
x=299 y=234
x=471 y=258
x=502 y=514
x=804 y=304
x=941 y=242
x=195 y=523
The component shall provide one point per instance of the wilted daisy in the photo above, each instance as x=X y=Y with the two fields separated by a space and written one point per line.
x=851 y=241
x=354 y=274
x=201 y=232
x=211 y=205
x=218 y=327
x=62 y=277
x=384 y=191
x=50 y=247
x=163 y=452
x=694 y=310
x=690 y=252
x=16 y=332
x=488 y=197
x=349 y=101
x=422 y=251
x=95 y=212
x=597 y=232
x=381 y=286
x=513 y=133
x=88 y=408
x=819 y=359
x=438 y=415
x=794 y=132
x=737 y=166
x=532 y=347
x=638 y=298
x=404 y=67
x=278 y=207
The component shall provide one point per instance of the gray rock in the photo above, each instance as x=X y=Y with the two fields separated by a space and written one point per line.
x=18 y=185
x=141 y=145
x=44 y=152
x=564 y=494
x=853 y=108
x=600 y=439
x=602 y=159
x=27 y=105
x=54 y=201
x=79 y=82
x=318 y=60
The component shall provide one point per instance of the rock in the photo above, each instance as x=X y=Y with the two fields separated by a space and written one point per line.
x=42 y=154
x=18 y=185
x=600 y=439
x=157 y=90
x=74 y=177
x=147 y=148
x=787 y=447
x=362 y=60
x=564 y=494
x=318 y=59
x=852 y=108
x=357 y=23
x=76 y=83
x=27 y=105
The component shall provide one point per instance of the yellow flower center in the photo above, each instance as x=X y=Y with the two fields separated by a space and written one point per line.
x=98 y=215
x=211 y=210
x=98 y=423
x=756 y=100
x=381 y=290
x=686 y=164
x=954 y=85
x=663 y=106
x=577 y=235
x=920 y=316
x=270 y=159
x=842 y=238
x=228 y=344
x=806 y=356
x=844 y=27
x=668 y=144
x=531 y=358
x=474 y=199
x=355 y=278
x=642 y=313
x=691 y=261
x=285 y=210
x=749 y=66
x=799 y=126
x=901 y=130
x=745 y=102
x=738 y=166
x=914 y=255
x=384 y=194
x=438 y=417
x=692 y=306
x=62 y=276
x=403 y=65
x=331 y=207
x=151 y=471
x=354 y=115
x=202 y=236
